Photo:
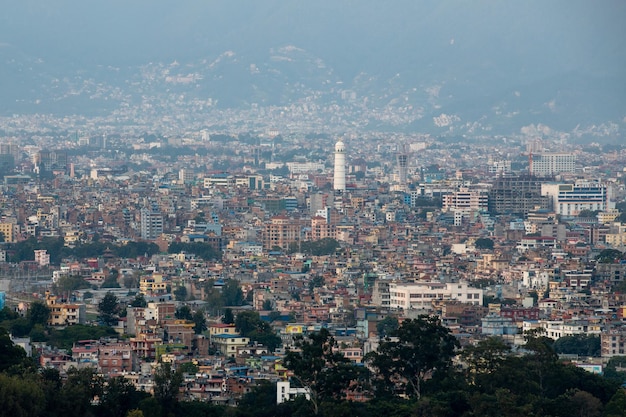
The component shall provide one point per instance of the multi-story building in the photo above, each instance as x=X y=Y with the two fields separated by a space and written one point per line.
x=42 y=257
x=8 y=232
x=151 y=224
x=517 y=194
x=228 y=344
x=280 y=232
x=466 y=200
x=62 y=314
x=613 y=342
x=571 y=199
x=116 y=358
x=617 y=235
x=421 y=295
x=544 y=164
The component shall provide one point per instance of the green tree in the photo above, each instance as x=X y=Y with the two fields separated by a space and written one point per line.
x=180 y=293
x=609 y=256
x=188 y=368
x=166 y=385
x=583 y=345
x=326 y=373
x=80 y=389
x=228 y=317
x=387 y=326
x=616 y=407
x=139 y=301
x=38 y=313
x=70 y=283
x=10 y=354
x=421 y=348
x=485 y=359
x=108 y=309
x=119 y=397
x=20 y=397
x=199 y=320
x=201 y=249
x=65 y=338
x=484 y=243
x=183 y=313
x=232 y=294
x=249 y=324
x=111 y=282
x=316 y=281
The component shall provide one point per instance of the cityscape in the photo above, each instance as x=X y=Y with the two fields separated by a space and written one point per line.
x=177 y=242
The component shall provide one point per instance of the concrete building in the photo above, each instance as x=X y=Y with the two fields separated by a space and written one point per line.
x=545 y=164
x=466 y=200
x=285 y=392
x=421 y=295
x=517 y=194
x=281 y=231
x=151 y=224
x=571 y=199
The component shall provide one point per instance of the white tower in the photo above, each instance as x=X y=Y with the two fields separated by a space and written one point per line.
x=339 y=180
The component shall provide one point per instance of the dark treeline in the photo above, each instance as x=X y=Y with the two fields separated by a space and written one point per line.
x=420 y=371
x=24 y=251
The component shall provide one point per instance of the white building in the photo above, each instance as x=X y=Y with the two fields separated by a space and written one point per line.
x=285 y=392
x=304 y=167
x=420 y=295
x=42 y=257
x=571 y=199
x=466 y=200
x=555 y=329
x=545 y=164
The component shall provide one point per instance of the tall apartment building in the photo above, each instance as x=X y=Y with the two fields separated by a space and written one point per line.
x=518 y=194
x=151 y=224
x=545 y=164
x=466 y=200
x=281 y=231
x=186 y=176
x=571 y=199
x=8 y=231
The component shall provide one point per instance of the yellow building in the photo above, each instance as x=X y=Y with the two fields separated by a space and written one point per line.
x=62 y=314
x=8 y=231
x=153 y=284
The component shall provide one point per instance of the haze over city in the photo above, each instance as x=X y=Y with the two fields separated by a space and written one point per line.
x=312 y=208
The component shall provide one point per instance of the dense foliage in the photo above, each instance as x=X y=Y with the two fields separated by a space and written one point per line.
x=420 y=371
x=24 y=250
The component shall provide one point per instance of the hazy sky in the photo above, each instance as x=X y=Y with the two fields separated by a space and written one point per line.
x=556 y=35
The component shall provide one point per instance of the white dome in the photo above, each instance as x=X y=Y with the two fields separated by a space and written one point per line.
x=340 y=147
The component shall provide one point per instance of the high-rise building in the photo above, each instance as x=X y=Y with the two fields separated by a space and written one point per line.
x=151 y=224
x=339 y=179
x=517 y=194
x=545 y=164
x=402 y=159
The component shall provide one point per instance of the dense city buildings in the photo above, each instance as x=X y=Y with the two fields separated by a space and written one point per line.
x=303 y=236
